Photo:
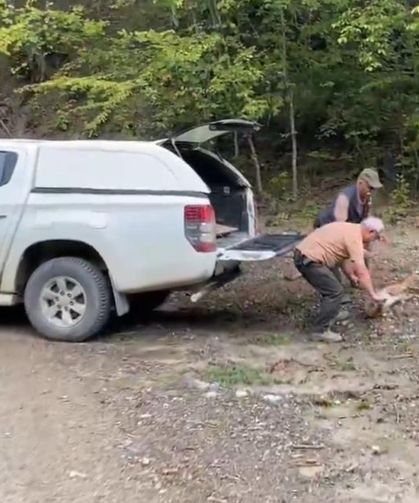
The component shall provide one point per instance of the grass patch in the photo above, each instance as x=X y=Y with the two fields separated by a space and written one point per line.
x=273 y=339
x=234 y=374
x=343 y=365
x=346 y=365
x=363 y=405
x=322 y=401
x=308 y=212
x=278 y=339
x=404 y=347
x=336 y=398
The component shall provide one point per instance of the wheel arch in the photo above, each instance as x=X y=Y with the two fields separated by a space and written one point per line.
x=42 y=251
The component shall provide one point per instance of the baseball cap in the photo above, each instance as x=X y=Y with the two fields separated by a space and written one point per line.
x=374 y=224
x=371 y=177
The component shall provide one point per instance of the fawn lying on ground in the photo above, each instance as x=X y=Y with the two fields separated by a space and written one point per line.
x=395 y=293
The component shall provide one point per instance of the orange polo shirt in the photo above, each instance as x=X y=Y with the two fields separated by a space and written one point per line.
x=334 y=243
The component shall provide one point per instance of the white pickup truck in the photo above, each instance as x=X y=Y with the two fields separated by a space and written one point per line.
x=88 y=228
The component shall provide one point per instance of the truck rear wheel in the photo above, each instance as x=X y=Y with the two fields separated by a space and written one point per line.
x=68 y=299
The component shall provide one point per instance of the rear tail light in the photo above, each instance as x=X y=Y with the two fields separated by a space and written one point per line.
x=200 y=227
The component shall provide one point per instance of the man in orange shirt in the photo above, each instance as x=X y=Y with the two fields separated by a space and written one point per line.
x=338 y=244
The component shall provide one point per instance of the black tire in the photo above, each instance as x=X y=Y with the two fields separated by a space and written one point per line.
x=97 y=292
x=143 y=304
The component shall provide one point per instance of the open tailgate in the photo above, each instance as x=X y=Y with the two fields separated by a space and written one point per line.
x=262 y=247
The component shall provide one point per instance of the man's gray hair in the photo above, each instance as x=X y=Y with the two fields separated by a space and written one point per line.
x=373 y=224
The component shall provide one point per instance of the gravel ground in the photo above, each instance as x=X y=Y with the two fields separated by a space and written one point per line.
x=227 y=401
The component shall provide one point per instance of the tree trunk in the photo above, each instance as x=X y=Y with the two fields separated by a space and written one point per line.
x=259 y=184
x=236 y=145
x=294 y=147
x=175 y=20
x=215 y=16
x=290 y=96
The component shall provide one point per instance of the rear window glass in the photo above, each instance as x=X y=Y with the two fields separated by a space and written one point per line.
x=8 y=162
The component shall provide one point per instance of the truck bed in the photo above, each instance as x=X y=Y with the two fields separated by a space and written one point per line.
x=224 y=230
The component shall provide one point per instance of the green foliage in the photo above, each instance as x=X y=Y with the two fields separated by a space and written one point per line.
x=235 y=374
x=144 y=68
x=29 y=34
x=280 y=185
x=400 y=200
x=401 y=194
x=174 y=79
x=370 y=29
x=309 y=212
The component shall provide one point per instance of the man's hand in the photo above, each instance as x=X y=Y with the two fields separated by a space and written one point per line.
x=379 y=297
x=364 y=280
x=384 y=239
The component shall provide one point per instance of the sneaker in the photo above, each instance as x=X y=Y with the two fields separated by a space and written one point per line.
x=346 y=299
x=342 y=315
x=327 y=336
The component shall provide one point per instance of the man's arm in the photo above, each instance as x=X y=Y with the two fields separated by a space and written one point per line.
x=363 y=276
x=341 y=208
x=349 y=270
x=358 y=268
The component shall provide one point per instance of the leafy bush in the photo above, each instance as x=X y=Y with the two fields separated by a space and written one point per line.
x=30 y=35
x=344 y=71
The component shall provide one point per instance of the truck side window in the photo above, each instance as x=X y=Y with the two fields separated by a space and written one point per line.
x=8 y=162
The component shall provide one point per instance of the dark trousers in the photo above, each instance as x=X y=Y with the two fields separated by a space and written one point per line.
x=327 y=284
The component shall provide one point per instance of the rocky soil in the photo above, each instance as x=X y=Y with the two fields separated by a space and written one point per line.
x=226 y=401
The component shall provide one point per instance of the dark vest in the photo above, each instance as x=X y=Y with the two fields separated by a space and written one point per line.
x=357 y=211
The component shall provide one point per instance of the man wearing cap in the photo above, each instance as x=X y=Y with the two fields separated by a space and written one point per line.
x=352 y=204
x=330 y=246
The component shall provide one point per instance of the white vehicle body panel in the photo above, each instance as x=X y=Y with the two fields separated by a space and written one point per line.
x=103 y=195
x=114 y=166
x=125 y=200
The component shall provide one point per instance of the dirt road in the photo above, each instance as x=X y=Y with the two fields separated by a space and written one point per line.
x=225 y=402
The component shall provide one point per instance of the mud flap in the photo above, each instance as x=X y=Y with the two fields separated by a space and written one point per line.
x=265 y=247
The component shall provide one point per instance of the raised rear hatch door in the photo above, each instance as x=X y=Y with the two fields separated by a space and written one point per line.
x=194 y=138
x=263 y=247
x=207 y=132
